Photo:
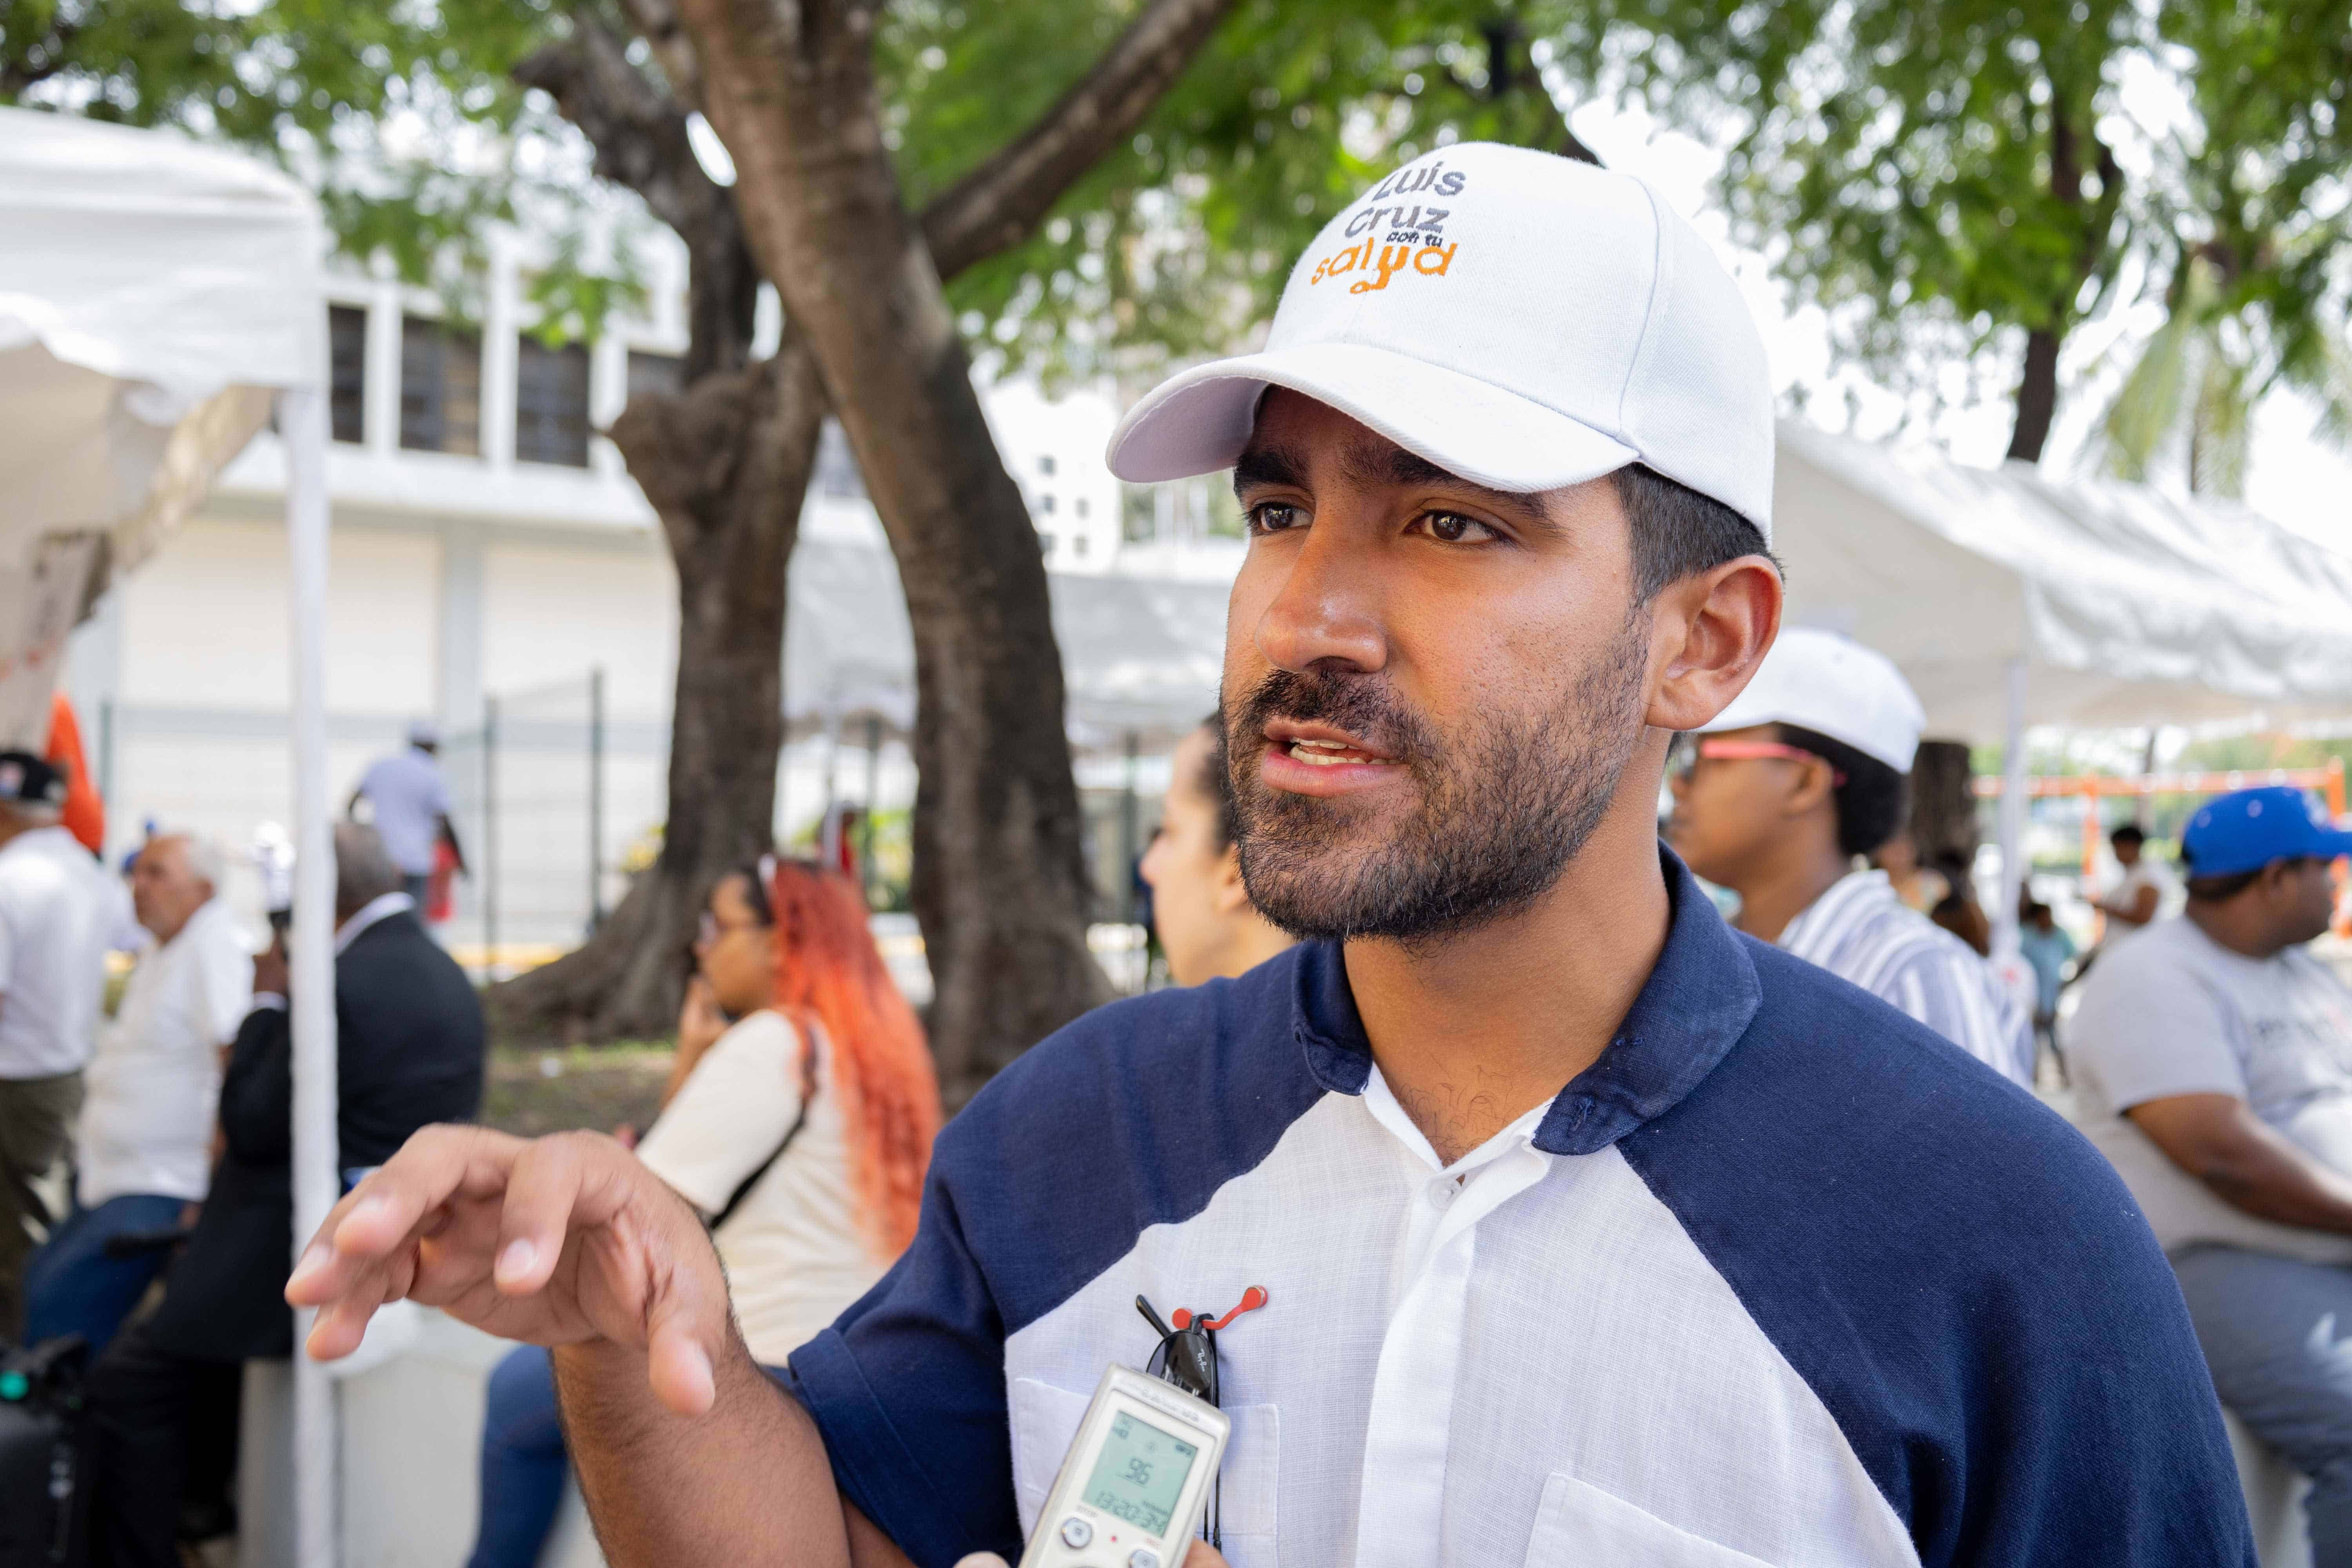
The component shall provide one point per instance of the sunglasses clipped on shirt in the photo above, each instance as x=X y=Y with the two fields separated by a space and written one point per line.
x=1691 y=750
x=1187 y=1357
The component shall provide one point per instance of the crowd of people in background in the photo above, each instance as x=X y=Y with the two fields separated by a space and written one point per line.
x=2211 y=1056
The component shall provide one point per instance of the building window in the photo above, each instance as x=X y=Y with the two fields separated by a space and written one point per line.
x=655 y=373
x=1077 y=544
x=552 y=404
x=347 y=373
x=1045 y=543
x=1046 y=464
x=440 y=388
x=1081 y=508
x=837 y=476
x=1045 y=504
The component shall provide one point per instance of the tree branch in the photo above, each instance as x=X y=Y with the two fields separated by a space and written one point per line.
x=637 y=127
x=657 y=23
x=1000 y=204
x=638 y=130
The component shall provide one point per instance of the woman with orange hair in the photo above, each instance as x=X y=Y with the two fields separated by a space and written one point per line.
x=799 y=1131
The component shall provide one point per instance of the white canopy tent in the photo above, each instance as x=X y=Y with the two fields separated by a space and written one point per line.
x=2010 y=598
x=155 y=297
x=1138 y=657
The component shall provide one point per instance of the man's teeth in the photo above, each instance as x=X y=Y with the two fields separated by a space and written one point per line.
x=1332 y=753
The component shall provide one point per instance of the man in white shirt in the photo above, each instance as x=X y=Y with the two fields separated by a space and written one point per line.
x=143 y=1151
x=2213 y=1058
x=1571 y=1226
x=2144 y=890
x=55 y=914
x=1807 y=769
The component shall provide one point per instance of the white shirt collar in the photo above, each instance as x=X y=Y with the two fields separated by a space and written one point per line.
x=378 y=908
x=1383 y=1102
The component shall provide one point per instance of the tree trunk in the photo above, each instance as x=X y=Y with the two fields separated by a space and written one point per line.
x=1000 y=886
x=2037 y=396
x=725 y=464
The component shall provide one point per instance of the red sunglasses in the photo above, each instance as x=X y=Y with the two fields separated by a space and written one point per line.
x=1693 y=752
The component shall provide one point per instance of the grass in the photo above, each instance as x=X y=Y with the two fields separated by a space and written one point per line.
x=536 y=1090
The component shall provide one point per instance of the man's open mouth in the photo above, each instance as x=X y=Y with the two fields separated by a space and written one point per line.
x=1320 y=746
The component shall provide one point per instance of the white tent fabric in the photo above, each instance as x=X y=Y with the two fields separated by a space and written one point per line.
x=156 y=297
x=1138 y=657
x=2010 y=598
x=145 y=317
x=2125 y=606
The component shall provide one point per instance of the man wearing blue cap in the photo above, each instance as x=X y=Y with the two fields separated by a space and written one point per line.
x=2214 y=1057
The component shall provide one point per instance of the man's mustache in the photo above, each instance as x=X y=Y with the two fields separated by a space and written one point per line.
x=1362 y=705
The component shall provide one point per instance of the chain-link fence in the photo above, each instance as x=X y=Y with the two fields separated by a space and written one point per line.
x=553 y=802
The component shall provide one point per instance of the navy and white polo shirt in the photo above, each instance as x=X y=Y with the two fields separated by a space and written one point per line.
x=1784 y=1277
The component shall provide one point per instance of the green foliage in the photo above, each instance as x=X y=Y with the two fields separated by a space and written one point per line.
x=1935 y=176
x=1180 y=242
x=2254 y=201
x=401 y=116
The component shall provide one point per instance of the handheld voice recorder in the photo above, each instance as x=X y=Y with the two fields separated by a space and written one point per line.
x=1134 y=1484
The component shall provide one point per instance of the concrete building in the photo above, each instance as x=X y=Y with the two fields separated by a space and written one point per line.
x=491 y=556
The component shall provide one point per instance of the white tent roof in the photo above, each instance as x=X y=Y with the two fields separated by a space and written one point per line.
x=153 y=294
x=1139 y=656
x=2126 y=606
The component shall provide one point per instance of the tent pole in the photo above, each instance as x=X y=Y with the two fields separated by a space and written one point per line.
x=2013 y=814
x=303 y=416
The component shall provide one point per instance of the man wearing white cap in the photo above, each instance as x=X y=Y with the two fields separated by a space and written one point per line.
x=1781 y=792
x=1541 y=1216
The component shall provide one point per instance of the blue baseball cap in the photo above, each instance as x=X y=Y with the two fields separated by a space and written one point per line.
x=2249 y=828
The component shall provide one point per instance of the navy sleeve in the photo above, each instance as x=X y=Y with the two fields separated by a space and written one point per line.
x=908 y=1390
x=1961 y=1278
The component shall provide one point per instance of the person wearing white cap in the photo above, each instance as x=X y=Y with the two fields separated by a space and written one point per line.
x=1539 y=1215
x=1778 y=796
x=408 y=803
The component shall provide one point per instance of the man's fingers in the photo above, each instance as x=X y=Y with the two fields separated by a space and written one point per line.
x=542 y=1195
x=687 y=1326
x=384 y=1213
x=679 y=1370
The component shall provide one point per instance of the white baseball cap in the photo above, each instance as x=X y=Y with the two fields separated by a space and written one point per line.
x=1519 y=320
x=1834 y=686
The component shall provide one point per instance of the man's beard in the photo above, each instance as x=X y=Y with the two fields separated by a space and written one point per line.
x=1503 y=808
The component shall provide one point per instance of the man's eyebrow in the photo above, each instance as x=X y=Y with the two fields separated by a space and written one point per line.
x=1268 y=466
x=1384 y=463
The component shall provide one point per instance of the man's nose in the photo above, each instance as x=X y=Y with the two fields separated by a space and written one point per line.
x=1327 y=614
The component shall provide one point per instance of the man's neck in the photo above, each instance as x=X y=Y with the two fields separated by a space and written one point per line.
x=1802 y=865
x=1473 y=1031
x=2224 y=924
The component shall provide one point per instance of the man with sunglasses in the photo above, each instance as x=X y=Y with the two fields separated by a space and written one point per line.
x=2213 y=1057
x=1583 y=1228
x=1778 y=796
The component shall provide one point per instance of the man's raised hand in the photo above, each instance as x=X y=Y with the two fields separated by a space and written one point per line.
x=556 y=1241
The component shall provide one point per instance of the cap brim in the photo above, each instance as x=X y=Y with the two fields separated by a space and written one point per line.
x=1197 y=422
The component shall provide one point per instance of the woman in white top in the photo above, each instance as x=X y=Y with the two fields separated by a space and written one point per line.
x=801 y=1131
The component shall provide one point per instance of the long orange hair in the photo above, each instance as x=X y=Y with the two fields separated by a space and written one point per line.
x=829 y=973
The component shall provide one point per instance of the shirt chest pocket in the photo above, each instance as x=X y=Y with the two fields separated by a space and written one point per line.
x=1580 y=1524
x=1045 y=1418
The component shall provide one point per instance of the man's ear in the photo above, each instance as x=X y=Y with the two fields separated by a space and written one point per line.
x=1226 y=892
x=1707 y=634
